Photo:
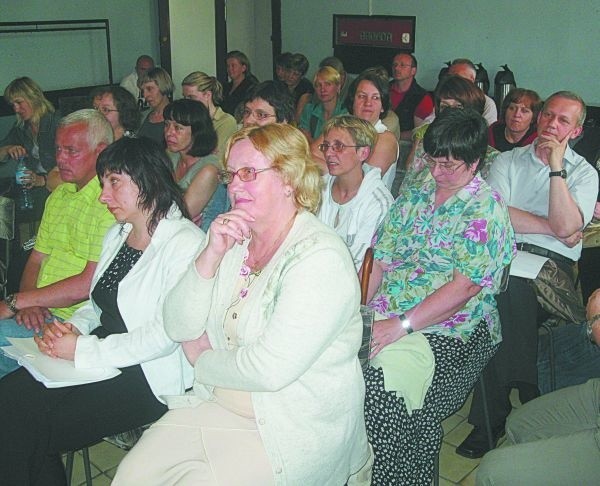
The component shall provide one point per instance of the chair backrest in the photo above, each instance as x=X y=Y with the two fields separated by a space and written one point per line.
x=367 y=267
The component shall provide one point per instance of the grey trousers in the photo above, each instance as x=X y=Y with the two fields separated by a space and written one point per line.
x=552 y=440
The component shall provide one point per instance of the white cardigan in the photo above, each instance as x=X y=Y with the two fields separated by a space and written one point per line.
x=299 y=332
x=175 y=243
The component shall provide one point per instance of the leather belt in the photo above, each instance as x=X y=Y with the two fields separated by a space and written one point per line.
x=538 y=250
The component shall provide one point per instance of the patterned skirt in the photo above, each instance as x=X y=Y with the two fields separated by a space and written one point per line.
x=406 y=445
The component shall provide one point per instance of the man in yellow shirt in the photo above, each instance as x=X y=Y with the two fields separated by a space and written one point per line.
x=57 y=276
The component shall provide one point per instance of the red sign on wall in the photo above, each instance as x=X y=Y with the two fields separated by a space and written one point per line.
x=374 y=31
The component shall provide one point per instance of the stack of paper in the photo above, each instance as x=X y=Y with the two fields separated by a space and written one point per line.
x=53 y=372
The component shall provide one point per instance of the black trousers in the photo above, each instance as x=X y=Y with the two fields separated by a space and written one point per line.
x=38 y=423
x=516 y=359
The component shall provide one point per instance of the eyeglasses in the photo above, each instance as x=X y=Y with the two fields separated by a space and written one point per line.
x=337 y=147
x=258 y=114
x=447 y=168
x=104 y=109
x=245 y=174
x=451 y=104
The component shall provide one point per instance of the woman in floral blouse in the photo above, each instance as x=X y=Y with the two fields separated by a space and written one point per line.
x=439 y=258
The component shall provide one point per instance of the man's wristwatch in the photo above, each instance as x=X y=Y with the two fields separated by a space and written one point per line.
x=11 y=303
x=405 y=323
x=558 y=173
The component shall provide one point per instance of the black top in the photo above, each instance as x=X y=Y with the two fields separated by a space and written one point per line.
x=231 y=99
x=106 y=290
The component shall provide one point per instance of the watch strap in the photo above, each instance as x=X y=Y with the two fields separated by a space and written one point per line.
x=558 y=173
x=11 y=302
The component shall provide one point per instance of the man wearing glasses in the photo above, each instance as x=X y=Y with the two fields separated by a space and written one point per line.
x=354 y=198
x=412 y=103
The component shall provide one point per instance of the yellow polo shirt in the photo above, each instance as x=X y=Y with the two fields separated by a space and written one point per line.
x=71 y=233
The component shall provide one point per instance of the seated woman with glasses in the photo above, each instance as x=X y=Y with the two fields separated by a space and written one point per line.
x=269 y=102
x=269 y=317
x=354 y=199
x=191 y=140
x=439 y=257
x=368 y=99
x=451 y=92
x=120 y=109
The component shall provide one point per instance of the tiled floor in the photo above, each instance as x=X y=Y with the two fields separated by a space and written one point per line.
x=454 y=469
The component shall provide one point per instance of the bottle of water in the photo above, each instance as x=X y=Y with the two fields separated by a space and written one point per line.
x=25 y=201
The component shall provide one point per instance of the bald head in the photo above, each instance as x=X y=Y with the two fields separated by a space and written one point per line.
x=463 y=68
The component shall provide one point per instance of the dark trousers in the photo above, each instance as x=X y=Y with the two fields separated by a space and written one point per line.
x=515 y=363
x=38 y=423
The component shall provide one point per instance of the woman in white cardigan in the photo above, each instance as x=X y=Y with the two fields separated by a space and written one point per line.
x=269 y=315
x=120 y=326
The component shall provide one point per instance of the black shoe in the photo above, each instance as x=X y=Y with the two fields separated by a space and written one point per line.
x=476 y=443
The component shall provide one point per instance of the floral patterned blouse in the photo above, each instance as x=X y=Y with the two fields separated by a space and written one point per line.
x=421 y=246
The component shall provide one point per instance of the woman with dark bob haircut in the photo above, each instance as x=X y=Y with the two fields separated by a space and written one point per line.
x=191 y=140
x=121 y=326
x=269 y=102
x=517 y=126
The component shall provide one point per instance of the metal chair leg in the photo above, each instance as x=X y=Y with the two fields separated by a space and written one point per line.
x=69 y=467
x=86 y=466
x=486 y=413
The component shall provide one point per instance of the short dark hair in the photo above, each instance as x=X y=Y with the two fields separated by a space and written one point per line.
x=283 y=59
x=194 y=114
x=278 y=96
x=125 y=103
x=459 y=89
x=378 y=81
x=151 y=171
x=458 y=133
x=298 y=62
x=412 y=57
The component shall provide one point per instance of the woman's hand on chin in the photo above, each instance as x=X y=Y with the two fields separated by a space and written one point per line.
x=193 y=349
x=226 y=230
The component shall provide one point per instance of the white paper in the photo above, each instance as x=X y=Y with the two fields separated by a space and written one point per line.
x=527 y=265
x=53 y=372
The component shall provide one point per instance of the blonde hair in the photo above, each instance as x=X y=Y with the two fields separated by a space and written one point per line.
x=288 y=150
x=329 y=75
x=161 y=78
x=362 y=132
x=31 y=92
x=204 y=82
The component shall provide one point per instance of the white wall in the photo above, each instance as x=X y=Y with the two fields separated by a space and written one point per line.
x=192 y=39
x=249 y=31
x=549 y=44
x=133 y=31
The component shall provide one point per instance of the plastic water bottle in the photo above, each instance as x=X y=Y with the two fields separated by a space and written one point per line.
x=25 y=200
